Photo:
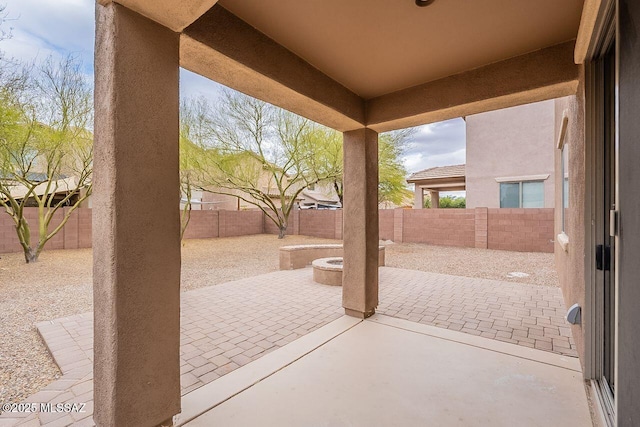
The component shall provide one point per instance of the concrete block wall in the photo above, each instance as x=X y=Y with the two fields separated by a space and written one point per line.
x=84 y=228
x=202 y=225
x=318 y=223
x=446 y=227
x=292 y=227
x=72 y=236
x=385 y=224
x=77 y=232
x=8 y=238
x=240 y=223
x=481 y=227
x=58 y=241
x=338 y=225
x=269 y=227
x=528 y=230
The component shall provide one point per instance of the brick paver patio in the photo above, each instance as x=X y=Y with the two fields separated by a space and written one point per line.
x=226 y=326
x=528 y=315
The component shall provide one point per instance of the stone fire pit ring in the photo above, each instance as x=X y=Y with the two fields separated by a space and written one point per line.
x=328 y=271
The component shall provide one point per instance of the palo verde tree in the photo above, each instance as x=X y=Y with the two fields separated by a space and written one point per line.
x=260 y=154
x=195 y=132
x=392 y=175
x=328 y=158
x=392 y=188
x=46 y=155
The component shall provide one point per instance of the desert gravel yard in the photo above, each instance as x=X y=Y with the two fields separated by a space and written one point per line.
x=539 y=268
x=59 y=285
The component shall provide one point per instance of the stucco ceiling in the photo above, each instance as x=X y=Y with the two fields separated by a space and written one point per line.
x=375 y=47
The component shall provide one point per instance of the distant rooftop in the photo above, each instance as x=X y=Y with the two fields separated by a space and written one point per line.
x=320 y=196
x=452 y=171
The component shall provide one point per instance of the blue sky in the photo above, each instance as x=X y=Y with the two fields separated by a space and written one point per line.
x=59 y=27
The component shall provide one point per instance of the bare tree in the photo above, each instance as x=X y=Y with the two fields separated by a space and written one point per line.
x=46 y=155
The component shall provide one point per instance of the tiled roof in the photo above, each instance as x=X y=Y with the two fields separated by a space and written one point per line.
x=438 y=172
x=319 y=196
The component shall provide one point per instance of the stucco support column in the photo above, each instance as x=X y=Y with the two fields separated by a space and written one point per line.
x=360 y=273
x=435 y=199
x=136 y=235
x=418 y=199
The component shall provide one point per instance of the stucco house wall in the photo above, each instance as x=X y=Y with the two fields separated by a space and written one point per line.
x=570 y=261
x=512 y=142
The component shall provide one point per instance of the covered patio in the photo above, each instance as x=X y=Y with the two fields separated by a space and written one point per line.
x=360 y=67
x=237 y=333
x=387 y=371
x=435 y=180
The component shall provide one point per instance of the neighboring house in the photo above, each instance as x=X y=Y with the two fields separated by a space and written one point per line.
x=510 y=161
x=435 y=180
x=315 y=196
x=253 y=176
x=205 y=200
x=202 y=200
x=58 y=189
x=319 y=197
x=510 y=157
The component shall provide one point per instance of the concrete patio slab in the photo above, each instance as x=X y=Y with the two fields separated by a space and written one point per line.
x=378 y=374
x=227 y=326
x=199 y=401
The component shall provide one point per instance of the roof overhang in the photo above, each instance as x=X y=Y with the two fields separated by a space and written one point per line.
x=19 y=191
x=455 y=183
x=380 y=63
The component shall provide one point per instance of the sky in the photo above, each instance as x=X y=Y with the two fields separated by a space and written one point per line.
x=40 y=28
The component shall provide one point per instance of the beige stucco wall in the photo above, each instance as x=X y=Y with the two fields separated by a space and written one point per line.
x=516 y=141
x=570 y=264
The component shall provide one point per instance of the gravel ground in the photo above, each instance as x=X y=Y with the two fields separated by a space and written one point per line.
x=59 y=285
x=471 y=262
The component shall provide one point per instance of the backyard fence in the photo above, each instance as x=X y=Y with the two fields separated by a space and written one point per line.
x=529 y=230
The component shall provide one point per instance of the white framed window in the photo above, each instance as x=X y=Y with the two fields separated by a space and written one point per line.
x=522 y=194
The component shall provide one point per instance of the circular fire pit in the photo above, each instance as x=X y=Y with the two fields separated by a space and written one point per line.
x=328 y=271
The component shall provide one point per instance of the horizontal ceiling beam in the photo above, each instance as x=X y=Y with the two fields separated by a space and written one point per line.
x=224 y=48
x=537 y=76
x=175 y=15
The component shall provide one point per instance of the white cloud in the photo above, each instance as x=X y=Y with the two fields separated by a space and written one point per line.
x=437 y=144
x=46 y=27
